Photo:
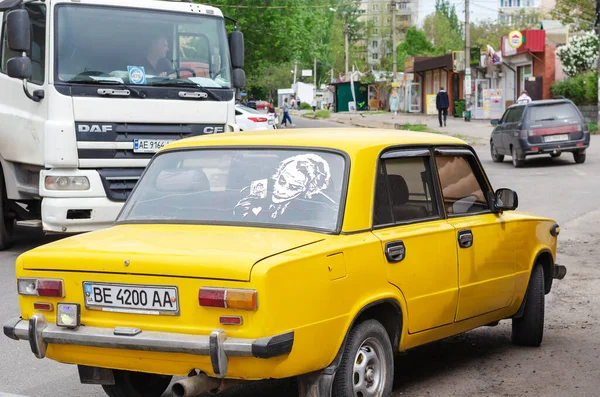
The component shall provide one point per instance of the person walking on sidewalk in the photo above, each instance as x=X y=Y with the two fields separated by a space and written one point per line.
x=394 y=102
x=286 y=113
x=442 y=103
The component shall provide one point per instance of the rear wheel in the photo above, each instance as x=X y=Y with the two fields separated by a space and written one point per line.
x=528 y=330
x=137 y=384
x=367 y=367
x=497 y=158
x=517 y=162
x=579 y=157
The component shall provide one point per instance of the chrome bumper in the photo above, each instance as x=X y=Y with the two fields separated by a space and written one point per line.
x=40 y=333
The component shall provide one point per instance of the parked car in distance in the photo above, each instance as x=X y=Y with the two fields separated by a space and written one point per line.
x=251 y=120
x=317 y=254
x=540 y=127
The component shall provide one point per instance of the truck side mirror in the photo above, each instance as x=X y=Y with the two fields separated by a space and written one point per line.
x=18 y=30
x=239 y=78
x=19 y=68
x=236 y=48
x=6 y=5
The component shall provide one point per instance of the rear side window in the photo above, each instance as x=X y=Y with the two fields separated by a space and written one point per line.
x=404 y=191
x=515 y=115
x=557 y=111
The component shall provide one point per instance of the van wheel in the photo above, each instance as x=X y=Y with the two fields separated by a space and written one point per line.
x=528 y=330
x=579 y=157
x=7 y=220
x=137 y=384
x=367 y=366
x=517 y=162
x=497 y=158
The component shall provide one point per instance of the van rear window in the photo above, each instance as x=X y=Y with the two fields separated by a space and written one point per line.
x=559 y=111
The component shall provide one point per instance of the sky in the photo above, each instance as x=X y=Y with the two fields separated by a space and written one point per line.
x=480 y=9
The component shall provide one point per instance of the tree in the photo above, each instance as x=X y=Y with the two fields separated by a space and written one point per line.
x=438 y=28
x=490 y=32
x=415 y=44
x=579 y=55
x=580 y=14
x=443 y=7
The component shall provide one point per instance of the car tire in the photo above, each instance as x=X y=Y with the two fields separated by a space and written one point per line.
x=7 y=220
x=517 y=162
x=528 y=330
x=370 y=344
x=137 y=384
x=579 y=157
x=497 y=158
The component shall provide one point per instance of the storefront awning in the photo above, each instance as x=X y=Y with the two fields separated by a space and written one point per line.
x=441 y=62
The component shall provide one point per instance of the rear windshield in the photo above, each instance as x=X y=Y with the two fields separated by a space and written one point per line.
x=559 y=111
x=276 y=187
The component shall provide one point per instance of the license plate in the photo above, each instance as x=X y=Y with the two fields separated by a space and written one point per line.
x=142 y=299
x=556 y=138
x=149 y=145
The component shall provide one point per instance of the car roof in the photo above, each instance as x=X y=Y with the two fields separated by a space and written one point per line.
x=350 y=140
x=543 y=102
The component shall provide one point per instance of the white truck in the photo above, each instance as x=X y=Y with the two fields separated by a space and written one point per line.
x=91 y=89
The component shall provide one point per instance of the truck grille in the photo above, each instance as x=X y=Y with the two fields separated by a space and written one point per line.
x=119 y=182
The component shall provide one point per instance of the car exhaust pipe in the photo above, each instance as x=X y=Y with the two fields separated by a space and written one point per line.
x=195 y=385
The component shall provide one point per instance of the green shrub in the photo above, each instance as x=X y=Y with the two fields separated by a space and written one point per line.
x=459 y=107
x=593 y=128
x=582 y=89
x=305 y=106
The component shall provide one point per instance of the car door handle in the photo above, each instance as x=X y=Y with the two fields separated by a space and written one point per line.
x=465 y=238
x=395 y=251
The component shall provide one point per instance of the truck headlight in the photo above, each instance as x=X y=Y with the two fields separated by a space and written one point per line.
x=67 y=183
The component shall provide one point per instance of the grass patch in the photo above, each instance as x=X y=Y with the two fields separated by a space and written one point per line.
x=377 y=112
x=593 y=128
x=310 y=115
x=417 y=127
x=322 y=114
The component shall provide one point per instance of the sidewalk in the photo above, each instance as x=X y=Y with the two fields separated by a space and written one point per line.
x=474 y=131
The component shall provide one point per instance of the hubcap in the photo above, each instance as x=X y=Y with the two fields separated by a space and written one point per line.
x=369 y=374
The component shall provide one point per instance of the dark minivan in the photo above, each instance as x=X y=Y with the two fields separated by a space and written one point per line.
x=540 y=127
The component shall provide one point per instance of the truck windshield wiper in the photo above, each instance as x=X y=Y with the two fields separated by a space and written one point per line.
x=179 y=83
x=109 y=82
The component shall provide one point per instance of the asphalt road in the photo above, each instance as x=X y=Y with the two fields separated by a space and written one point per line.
x=479 y=363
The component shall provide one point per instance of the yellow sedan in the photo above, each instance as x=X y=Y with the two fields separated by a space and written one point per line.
x=316 y=254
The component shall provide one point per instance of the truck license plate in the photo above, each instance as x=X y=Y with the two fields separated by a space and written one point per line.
x=142 y=299
x=149 y=145
x=556 y=138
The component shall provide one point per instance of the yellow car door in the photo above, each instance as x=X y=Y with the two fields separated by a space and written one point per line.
x=418 y=244
x=486 y=250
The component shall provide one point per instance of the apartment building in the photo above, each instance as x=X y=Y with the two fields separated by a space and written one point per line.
x=508 y=8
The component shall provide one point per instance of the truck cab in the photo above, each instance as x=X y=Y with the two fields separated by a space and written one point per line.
x=92 y=89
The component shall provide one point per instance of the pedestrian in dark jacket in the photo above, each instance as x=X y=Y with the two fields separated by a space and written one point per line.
x=442 y=103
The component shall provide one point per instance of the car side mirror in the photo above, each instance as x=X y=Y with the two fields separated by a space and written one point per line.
x=236 y=49
x=495 y=122
x=18 y=30
x=505 y=200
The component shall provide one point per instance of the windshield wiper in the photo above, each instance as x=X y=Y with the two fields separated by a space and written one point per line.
x=547 y=119
x=179 y=83
x=109 y=82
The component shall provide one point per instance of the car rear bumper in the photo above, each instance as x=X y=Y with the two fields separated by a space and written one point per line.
x=555 y=147
x=217 y=345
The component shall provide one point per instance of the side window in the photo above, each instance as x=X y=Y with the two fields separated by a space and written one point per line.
x=505 y=116
x=37 y=53
x=463 y=188
x=515 y=114
x=403 y=191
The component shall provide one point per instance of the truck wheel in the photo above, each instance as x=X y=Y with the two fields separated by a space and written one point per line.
x=7 y=221
x=137 y=384
x=528 y=330
x=497 y=158
x=579 y=157
x=367 y=366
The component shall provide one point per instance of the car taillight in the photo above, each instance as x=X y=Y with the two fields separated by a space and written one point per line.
x=41 y=287
x=228 y=298
x=258 y=119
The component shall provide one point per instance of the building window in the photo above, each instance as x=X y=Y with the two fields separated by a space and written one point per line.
x=375 y=31
x=403 y=6
x=374 y=44
x=388 y=20
x=375 y=55
x=375 y=7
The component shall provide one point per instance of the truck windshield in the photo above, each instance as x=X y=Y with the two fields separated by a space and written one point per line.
x=260 y=187
x=101 y=44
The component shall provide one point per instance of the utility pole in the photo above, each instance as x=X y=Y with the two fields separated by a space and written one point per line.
x=295 y=71
x=468 y=57
x=315 y=72
x=346 y=46
x=394 y=62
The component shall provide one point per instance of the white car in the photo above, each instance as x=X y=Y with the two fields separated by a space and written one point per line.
x=250 y=120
